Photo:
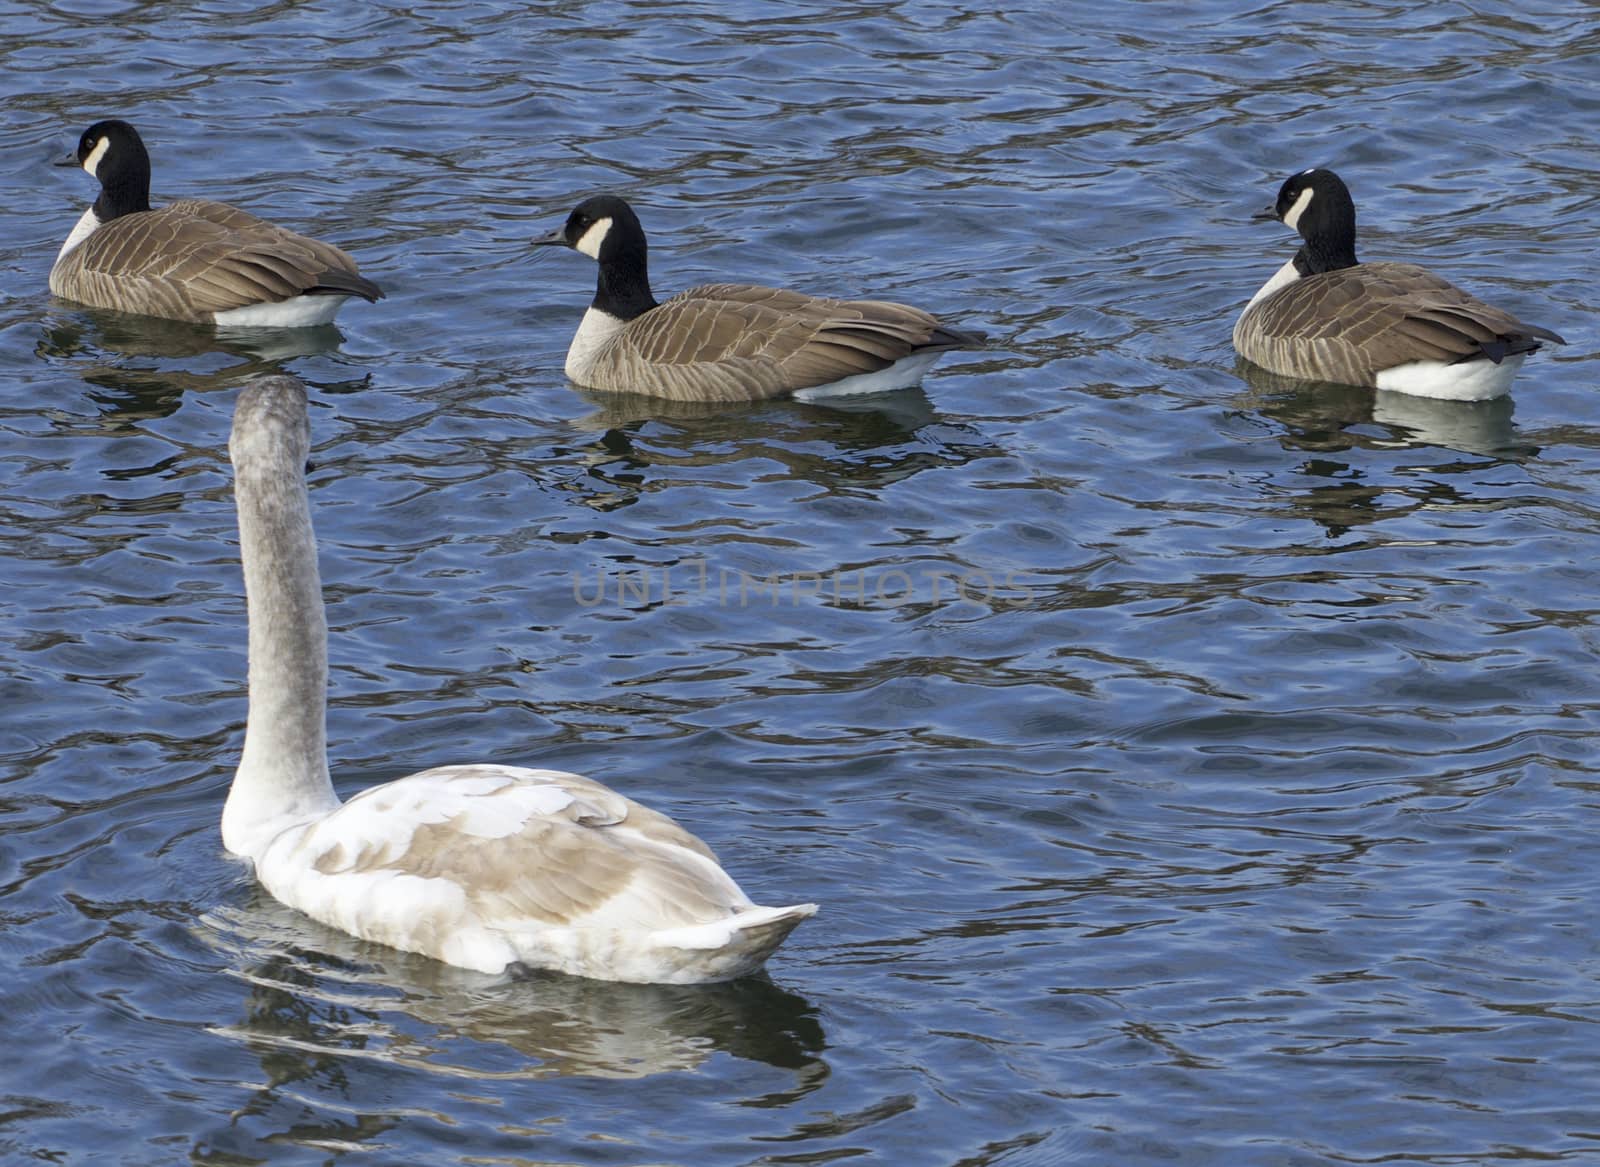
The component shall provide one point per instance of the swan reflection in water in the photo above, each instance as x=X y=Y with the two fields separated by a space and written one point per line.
x=320 y=1005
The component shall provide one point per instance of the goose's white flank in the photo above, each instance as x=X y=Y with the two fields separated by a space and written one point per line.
x=488 y=867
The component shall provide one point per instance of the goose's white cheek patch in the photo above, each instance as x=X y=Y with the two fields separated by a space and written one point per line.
x=590 y=243
x=92 y=163
x=1291 y=218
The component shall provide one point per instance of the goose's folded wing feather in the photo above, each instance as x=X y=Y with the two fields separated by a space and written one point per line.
x=192 y=258
x=739 y=342
x=1347 y=325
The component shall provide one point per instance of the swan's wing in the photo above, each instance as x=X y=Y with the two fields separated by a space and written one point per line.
x=501 y=848
x=491 y=866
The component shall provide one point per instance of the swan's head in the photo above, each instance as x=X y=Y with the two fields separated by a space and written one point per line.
x=270 y=427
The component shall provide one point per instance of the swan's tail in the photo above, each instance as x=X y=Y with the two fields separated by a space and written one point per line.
x=733 y=947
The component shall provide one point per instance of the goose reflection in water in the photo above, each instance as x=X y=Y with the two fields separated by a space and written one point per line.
x=1324 y=414
x=139 y=368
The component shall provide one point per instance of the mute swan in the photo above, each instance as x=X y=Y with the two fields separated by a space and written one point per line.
x=483 y=866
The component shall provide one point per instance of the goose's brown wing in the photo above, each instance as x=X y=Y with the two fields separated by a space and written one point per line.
x=1348 y=325
x=739 y=342
x=192 y=258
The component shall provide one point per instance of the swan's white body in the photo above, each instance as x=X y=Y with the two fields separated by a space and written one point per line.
x=482 y=866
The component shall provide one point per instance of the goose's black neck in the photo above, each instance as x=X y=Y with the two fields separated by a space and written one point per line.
x=623 y=287
x=623 y=290
x=122 y=167
x=116 y=201
x=1324 y=254
x=1319 y=205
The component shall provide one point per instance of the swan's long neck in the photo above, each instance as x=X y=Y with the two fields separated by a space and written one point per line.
x=283 y=773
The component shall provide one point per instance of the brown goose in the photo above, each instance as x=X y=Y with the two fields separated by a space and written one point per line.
x=1325 y=316
x=732 y=342
x=204 y=262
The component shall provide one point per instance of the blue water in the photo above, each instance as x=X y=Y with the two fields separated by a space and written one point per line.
x=1191 y=767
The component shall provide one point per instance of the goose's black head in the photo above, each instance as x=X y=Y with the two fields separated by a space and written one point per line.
x=605 y=228
x=114 y=153
x=1317 y=204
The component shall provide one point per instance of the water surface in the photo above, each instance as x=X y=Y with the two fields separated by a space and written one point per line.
x=1192 y=767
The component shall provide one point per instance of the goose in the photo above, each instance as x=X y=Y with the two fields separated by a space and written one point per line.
x=1325 y=316
x=487 y=867
x=192 y=260
x=732 y=342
